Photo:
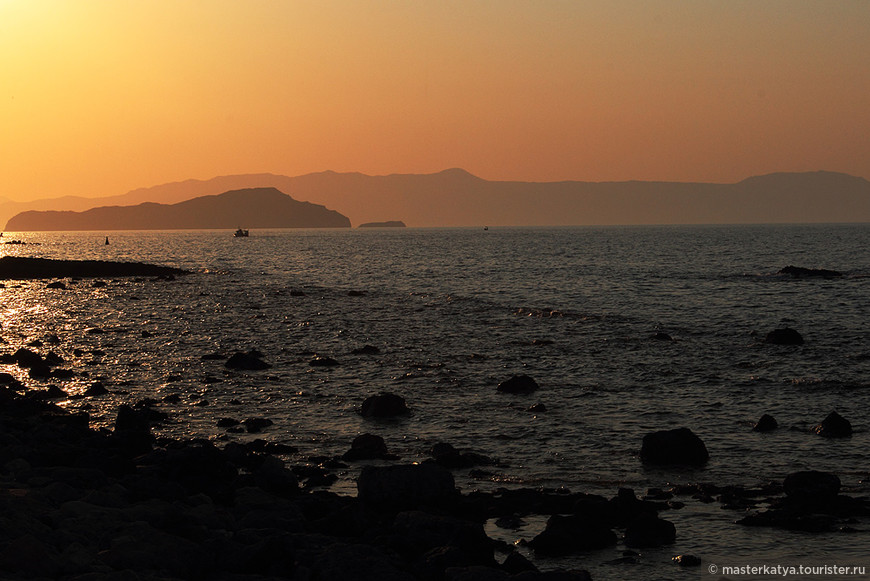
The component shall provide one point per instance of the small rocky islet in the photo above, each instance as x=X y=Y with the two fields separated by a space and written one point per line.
x=83 y=503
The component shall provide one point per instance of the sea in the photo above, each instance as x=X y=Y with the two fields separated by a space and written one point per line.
x=453 y=313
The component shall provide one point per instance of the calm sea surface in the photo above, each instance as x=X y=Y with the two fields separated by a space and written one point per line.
x=456 y=311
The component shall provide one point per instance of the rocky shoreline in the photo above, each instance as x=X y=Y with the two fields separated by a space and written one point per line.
x=83 y=504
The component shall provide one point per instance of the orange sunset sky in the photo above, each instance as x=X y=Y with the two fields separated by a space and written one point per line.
x=98 y=97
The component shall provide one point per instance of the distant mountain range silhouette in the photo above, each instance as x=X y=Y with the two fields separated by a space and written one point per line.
x=251 y=208
x=455 y=197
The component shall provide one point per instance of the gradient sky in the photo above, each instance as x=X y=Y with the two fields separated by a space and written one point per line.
x=98 y=97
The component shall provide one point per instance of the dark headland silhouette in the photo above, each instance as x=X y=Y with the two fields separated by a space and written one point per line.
x=253 y=208
x=457 y=198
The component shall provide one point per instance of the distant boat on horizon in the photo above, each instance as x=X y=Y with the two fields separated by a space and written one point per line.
x=240 y=233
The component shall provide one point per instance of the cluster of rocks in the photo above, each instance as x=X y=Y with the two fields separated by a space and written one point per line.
x=38 y=367
x=81 y=504
x=812 y=503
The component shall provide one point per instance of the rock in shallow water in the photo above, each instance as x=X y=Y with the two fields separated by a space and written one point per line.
x=785 y=336
x=249 y=361
x=812 y=485
x=518 y=385
x=766 y=423
x=366 y=447
x=679 y=446
x=834 y=426
x=384 y=405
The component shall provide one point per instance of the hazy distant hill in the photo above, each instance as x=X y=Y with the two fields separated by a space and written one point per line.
x=248 y=208
x=456 y=198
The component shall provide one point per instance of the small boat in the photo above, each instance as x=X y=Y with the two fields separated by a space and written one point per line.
x=241 y=233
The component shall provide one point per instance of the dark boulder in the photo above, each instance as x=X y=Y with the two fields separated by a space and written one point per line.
x=250 y=361
x=39 y=372
x=366 y=447
x=272 y=475
x=57 y=284
x=811 y=485
x=687 y=560
x=384 y=405
x=133 y=430
x=599 y=510
x=198 y=466
x=679 y=446
x=648 y=530
x=660 y=336
x=766 y=423
x=405 y=487
x=26 y=358
x=419 y=532
x=784 y=336
x=565 y=535
x=628 y=507
x=256 y=425
x=834 y=426
x=518 y=385
x=96 y=390
x=516 y=563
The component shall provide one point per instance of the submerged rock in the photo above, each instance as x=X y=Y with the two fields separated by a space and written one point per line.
x=250 y=361
x=800 y=272
x=834 y=426
x=446 y=455
x=323 y=361
x=366 y=350
x=679 y=446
